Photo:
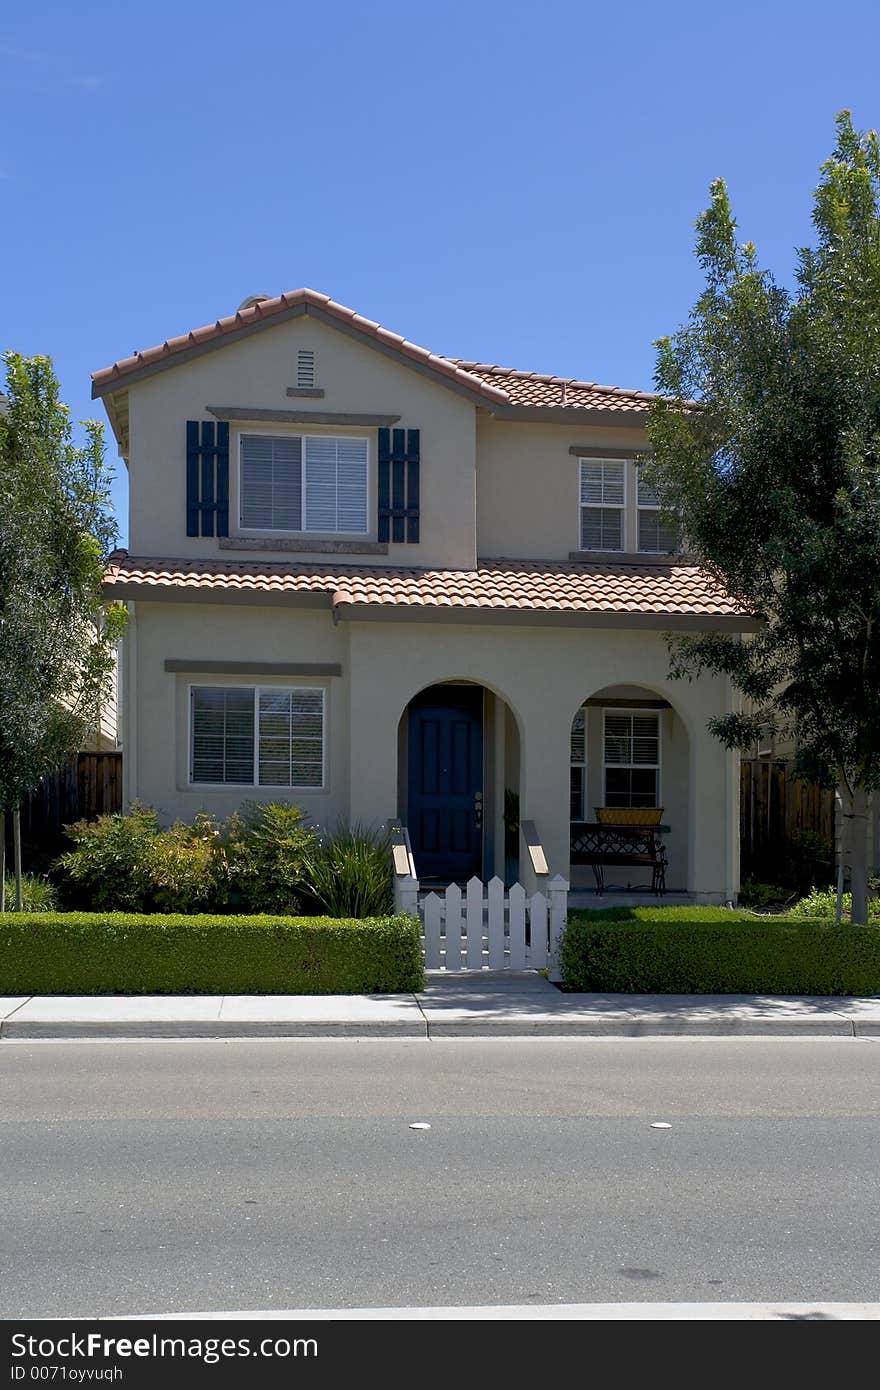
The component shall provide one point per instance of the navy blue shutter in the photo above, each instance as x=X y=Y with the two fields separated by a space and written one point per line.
x=208 y=452
x=222 y=479
x=398 y=485
x=192 y=477
x=207 y=478
x=384 y=457
x=412 y=486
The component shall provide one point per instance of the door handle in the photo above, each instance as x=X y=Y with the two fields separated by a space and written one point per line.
x=478 y=807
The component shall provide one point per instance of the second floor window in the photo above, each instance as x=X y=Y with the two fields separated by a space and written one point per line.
x=303 y=483
x=602 y=503
x=656 y=537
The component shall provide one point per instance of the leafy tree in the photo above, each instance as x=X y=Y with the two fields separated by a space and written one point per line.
x=56 y=529
x=769 y=454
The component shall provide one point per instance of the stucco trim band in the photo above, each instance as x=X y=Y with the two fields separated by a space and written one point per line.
x=296 y=544
x=590 y=451
x=254 y=668
x=297 y=417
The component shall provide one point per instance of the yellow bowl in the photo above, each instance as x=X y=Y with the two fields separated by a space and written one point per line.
x=629 y=815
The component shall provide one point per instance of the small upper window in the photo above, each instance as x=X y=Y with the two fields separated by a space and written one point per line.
x=602 y=504
x=656 y=537
x=305 y=369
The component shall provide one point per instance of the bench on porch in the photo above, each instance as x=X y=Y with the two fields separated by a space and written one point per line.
x=602 y=844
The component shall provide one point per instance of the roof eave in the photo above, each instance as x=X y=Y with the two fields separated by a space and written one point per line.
x=572 y=414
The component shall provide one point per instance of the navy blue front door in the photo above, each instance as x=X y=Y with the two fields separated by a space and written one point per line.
x=446 y=782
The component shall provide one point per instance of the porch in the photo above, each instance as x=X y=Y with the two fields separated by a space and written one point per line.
x=460 y=790
x=491 y=744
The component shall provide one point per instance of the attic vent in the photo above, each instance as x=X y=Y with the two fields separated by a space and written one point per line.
x=305 y=369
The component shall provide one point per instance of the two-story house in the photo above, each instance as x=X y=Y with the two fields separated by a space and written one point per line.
x=384 y=583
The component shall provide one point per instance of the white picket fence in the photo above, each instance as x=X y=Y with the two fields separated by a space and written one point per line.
x=488 y=926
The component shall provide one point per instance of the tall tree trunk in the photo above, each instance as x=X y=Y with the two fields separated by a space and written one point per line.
x=16 y=851
x=2 y=861
x=855 y=818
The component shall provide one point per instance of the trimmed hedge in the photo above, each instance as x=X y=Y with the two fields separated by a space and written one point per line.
x=130 y=953
x=704 y=950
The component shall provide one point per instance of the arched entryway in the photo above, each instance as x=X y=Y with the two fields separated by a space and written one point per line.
x=458 y=782
x=630 y=765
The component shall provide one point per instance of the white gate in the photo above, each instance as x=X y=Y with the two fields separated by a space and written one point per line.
x=488 y=926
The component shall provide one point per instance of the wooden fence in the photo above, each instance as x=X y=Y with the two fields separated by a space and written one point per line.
x=775 y=809
x=90 y=785
x=488 y=926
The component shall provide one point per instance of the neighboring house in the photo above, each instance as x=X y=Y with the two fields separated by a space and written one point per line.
x=103 y=735
x=384 y=583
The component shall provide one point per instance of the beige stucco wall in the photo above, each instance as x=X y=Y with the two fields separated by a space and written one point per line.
x=255 y=373
x=528 y=486
x=157 y=752
x=543 y=675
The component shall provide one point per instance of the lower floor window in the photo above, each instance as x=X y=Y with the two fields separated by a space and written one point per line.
x=632 y=759
x=267 y=736
x=578 y=771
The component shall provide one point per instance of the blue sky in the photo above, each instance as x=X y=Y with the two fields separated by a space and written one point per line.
x=516 y=182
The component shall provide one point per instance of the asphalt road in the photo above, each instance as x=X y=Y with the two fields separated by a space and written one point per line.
x=193 y=1176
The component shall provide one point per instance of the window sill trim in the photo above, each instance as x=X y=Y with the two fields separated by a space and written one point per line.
x=300 y=544
x=627 y=557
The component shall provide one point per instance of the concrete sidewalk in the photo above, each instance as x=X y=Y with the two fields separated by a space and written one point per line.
x=481 y=1004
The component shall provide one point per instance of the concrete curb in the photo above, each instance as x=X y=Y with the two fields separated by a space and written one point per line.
x=647 y=1027
x=549 y=1312
x=73 y=1029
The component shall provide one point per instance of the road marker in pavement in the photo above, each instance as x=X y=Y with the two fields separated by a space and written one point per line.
x=660 y=1124
x=419 y=1124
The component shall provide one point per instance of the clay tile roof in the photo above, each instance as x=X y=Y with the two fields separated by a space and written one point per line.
x=495 y=585
x=535 y=389
x=496 y=386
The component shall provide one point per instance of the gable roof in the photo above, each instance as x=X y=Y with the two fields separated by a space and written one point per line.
x=501 y=389
x=266 y=313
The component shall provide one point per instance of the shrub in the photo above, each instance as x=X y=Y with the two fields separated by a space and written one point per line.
x=108 y=866
x=113 y=952
x=38 y=894
x=349 y=874
x=267 y=847
x=822 y=902
x=185 y=868
x=755 y=894
x=716 y=951
x=256 y=860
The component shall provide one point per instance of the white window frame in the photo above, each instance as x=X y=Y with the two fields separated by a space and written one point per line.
x=658 y=766
x=302 y=435
x=582 y=765
x=256 y=690
x=606 y=506
x=646 y=507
